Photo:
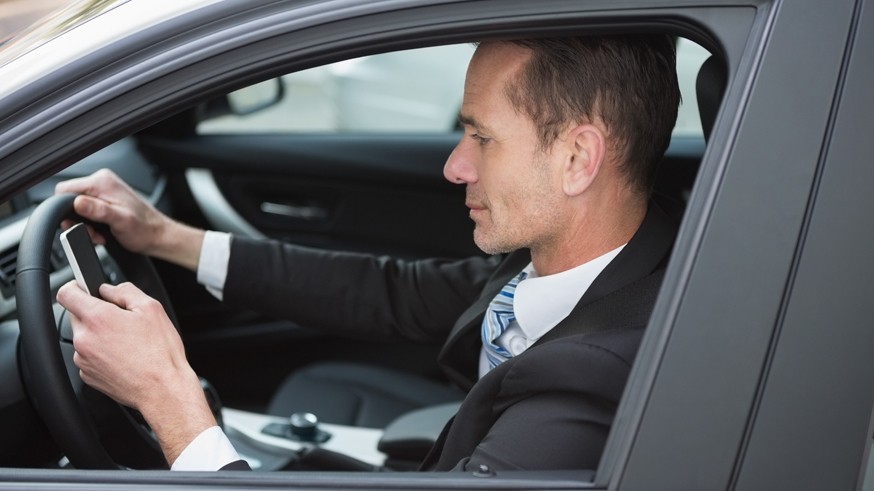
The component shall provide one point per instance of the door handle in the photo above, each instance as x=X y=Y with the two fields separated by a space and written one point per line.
x=301 y=212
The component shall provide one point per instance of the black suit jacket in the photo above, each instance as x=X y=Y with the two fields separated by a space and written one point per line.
x=548 y=408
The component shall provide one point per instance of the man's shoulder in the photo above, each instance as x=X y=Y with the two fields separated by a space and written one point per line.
x=595 y=363
x=611 y=346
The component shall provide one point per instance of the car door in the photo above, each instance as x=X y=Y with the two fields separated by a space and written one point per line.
x=703 y=407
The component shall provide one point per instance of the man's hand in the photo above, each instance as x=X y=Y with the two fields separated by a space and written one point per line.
x=136 y=224
x=127 y=348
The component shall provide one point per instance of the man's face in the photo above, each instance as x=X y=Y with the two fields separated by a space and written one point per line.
x=513 y=188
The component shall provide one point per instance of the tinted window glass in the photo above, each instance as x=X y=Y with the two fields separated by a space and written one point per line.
x=414 y=91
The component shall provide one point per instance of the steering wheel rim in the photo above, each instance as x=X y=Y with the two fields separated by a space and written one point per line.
x=44 y=367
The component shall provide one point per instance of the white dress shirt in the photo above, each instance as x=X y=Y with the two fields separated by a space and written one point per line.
x=209 y=451
x=540 y=303
x=212 y=267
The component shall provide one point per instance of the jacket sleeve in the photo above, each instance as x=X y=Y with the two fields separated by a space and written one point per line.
x=550 y=408
x=546 y=431
x=354 y=294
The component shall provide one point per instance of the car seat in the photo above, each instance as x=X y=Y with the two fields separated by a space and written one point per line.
x=355 y=394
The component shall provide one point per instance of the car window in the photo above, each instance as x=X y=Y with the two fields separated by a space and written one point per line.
x=413 y=91
x=690 y=57
x=406 y=91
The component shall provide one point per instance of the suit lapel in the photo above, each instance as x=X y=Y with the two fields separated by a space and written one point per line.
x=460 y=354
x=646 y=250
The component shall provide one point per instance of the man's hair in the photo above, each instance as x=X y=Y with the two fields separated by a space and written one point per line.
x=629 y=82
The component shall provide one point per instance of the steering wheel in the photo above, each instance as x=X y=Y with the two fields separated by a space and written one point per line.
x=93 y=431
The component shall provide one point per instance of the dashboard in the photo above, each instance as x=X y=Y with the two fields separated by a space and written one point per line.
x=122 y=157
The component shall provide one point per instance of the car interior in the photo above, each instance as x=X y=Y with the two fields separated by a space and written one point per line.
x=381 y=192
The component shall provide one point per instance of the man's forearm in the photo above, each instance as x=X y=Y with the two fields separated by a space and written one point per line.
x=178 y=414
x=179 y=244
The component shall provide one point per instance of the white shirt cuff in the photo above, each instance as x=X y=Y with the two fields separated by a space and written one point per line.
x=210 y=451
x=212 y=267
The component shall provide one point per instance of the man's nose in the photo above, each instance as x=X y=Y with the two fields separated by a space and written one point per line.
x=460 y=167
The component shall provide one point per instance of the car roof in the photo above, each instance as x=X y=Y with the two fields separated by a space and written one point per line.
x=62 y=38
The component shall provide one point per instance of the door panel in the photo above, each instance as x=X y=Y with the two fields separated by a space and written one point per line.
x=365 y=193
x=370 y=193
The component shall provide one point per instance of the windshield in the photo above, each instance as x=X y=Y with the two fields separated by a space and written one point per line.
x=75 y=13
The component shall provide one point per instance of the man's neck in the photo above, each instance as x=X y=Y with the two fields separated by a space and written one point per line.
x=588 y=238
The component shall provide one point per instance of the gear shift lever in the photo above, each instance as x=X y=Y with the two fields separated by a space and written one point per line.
x=304 y=426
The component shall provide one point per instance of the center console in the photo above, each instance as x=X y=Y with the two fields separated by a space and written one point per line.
x=270 y=443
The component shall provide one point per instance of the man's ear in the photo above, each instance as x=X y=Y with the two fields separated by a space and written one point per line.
x=586 y=146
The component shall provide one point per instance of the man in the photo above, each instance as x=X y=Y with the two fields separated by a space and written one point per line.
x=561 y=140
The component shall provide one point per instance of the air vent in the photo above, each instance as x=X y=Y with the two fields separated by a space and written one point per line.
x=9 y=265
x=8 y=261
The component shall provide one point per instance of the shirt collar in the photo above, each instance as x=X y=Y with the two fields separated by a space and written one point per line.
x=541 y=302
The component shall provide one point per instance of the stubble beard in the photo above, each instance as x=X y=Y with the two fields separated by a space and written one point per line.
x=523 y=221
x=490 y=246
x=486 y=234
x=496 y=236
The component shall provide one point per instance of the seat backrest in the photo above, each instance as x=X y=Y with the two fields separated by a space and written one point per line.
x=709 y=88
x=676 y=174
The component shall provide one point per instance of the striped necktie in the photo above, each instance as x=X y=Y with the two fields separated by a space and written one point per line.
x=498 y=318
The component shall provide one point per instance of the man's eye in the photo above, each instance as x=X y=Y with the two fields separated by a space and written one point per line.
x=480 y=139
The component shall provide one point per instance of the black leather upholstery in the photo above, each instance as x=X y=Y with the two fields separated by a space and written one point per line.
x=357 y=395
x=709 y=88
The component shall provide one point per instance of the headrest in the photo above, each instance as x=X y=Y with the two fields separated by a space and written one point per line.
x=710 y=87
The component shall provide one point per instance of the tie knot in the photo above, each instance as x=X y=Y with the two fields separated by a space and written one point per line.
x=518 y=278
x=508 y=292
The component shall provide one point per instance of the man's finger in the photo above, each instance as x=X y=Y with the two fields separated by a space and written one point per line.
x=93 y=208
x=103 y=178
x=65 y=224
x=125 y=295
x=75 y=300
x=78 y=185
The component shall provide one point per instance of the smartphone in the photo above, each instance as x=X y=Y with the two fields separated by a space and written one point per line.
x=83 y=259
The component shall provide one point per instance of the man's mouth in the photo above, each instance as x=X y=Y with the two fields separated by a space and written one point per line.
x=475 y=207
x=476 y=211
